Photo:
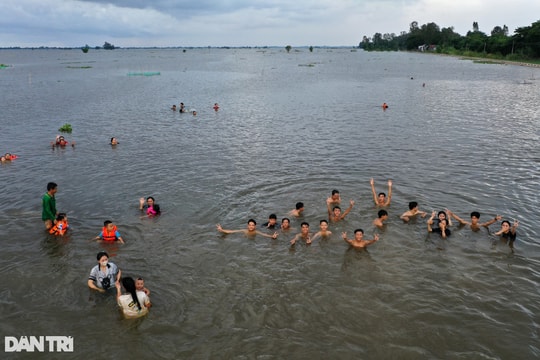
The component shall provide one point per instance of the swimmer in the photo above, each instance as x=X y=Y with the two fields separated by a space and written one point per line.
x=382 y=217
x=194 y=112
x=474 y=224
x=61 y=225
x=334 y=199
x=443 y=224
x=272 y=223
x=508 y=232
x=109 y=233
x=323 y=232
x=114 y=141
x=412 y=212
x=250 y=231
x=216 y=107
x=298 y=210
x=358 y=242
x=182 y=108
x=139 y=285
x=8 y=157
x=303 y=235
x=135 y=303
x=381 y=199
x=286 y=225
x=152 y=209
x=384 y=106
x=335 y=215
x=173 y=108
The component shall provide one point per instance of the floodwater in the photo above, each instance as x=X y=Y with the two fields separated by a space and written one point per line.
x=291 y=127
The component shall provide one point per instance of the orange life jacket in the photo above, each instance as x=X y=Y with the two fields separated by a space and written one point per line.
x=59 y=228
x=108 y=236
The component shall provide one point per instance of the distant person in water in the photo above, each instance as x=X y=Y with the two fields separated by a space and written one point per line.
x=323 y=231
x=358 y=242
x=285 y=225
x=272 y=223
x=298 y=210
x=149 y=206
x=8 y=157
x=335 y=214
x=334 y=199
x=194 y=112
x=182 y=108
x=216 y=107
x=61 y=141
x=109 y=233
x=114 y=141
x=250 y=231
x=384 y=106
x=173 y=108
x=508 y=232
x=48 y=203
x=303 y=235
x=412 y=212
x=441 y=225
x=382 y=216
x=474 y=224
x=381 y=199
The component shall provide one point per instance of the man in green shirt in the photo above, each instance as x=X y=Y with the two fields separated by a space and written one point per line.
x=49 y=212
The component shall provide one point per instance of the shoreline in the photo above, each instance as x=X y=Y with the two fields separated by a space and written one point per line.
x=485 y=60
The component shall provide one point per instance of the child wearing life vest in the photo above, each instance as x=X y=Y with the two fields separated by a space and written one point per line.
x=61 y=225
x=109 y=233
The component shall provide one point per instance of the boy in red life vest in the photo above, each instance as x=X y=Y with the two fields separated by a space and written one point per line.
x=61 y=225
x=109 y=233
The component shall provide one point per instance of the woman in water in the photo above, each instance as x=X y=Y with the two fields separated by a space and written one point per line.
x=443 y=222
x=152 y=209
x=135 y=303
x=104 y=275
x=508 y=232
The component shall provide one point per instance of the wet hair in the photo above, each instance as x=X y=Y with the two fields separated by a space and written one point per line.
x=51 y=186
x=253 y=221
x=101 y=254
x=129 y=284
x=304 y=223
x=412 y=205
x=60 y=216
x=383 y=194
x=334 y=192
x=107 y=222
x=282 y=220
x=506 y=221
x=299 y=205
x=441 y=212
x=336 y=207
x=476 y=214
x=272 y=216
x=323 y=221
x=150 y=197
x=359 y=230
x=382 y=213
x=156 y=209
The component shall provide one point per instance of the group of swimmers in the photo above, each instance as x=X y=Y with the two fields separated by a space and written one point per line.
x=8 y=157
x=438 y=222
x=105 y=275
x=182 y=108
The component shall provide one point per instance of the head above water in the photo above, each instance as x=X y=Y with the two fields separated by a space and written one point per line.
x=101 y=254
x=412 y=205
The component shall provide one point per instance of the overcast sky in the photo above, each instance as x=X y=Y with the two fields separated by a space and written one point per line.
x=125 y=23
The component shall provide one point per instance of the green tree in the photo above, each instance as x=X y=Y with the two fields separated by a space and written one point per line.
x=288 y=48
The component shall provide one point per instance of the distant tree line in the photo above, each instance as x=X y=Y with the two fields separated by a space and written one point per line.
x=523 y=44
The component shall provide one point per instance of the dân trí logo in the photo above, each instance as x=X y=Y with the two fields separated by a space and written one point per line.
x=38 y=344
